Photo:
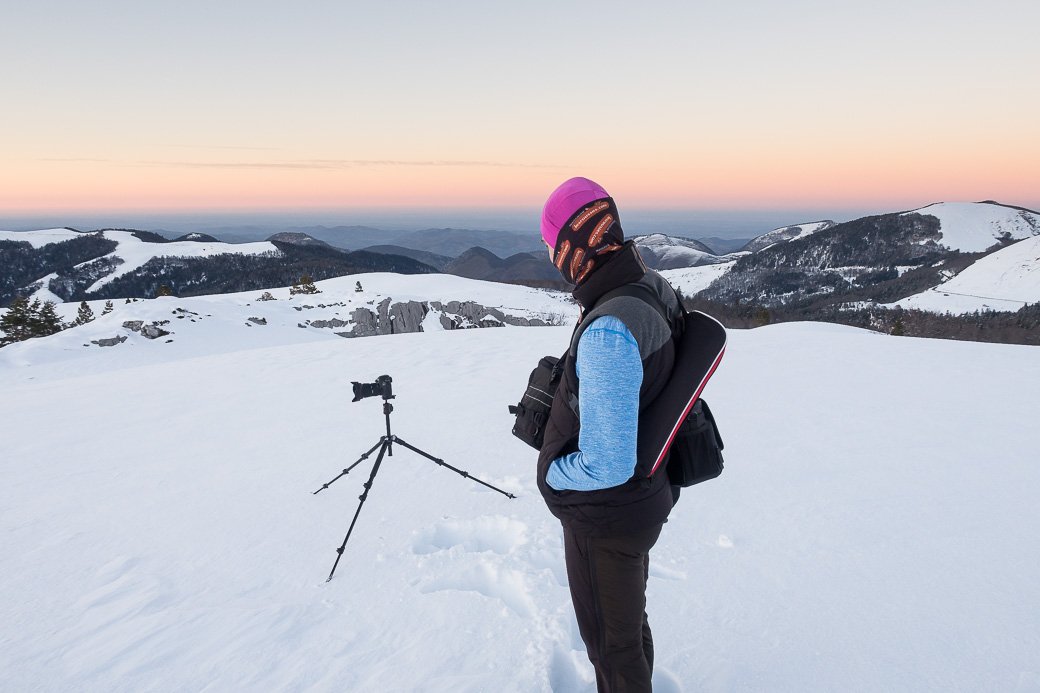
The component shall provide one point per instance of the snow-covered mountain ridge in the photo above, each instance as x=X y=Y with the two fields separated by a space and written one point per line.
x=785 y=234
x=60 y=264
x=664 y=252
x=882 y=259
x=972 y=227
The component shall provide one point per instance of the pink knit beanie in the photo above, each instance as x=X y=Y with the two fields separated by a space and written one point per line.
x=567 y=199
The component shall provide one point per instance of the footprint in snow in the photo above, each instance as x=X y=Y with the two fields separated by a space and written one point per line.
x=570 y=671
x=494 y=533
x=491 y=580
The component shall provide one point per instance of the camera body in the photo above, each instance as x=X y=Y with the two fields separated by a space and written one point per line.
x=380 y=388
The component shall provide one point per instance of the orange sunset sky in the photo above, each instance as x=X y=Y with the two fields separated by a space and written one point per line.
x=678 y=105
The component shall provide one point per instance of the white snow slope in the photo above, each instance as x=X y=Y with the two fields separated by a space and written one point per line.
x=875 y=529
x=691 y=280
x=972 y=227
x=218 y=322
x=38 y=239
x=1005 y=280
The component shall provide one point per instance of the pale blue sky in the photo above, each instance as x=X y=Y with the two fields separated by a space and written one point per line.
x=680 y=104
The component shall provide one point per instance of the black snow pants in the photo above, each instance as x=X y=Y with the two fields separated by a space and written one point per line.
x=607 y=577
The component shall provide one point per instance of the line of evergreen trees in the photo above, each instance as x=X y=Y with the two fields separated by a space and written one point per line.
x=25 y=320
x=1020 y=327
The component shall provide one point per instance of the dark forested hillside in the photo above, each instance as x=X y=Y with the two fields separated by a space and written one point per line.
x=80 y=262
x=233 y=272
x=1020 y=327
x=21 y=264
x=846 y=260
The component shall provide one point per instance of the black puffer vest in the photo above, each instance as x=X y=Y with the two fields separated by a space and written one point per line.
x=642 y=501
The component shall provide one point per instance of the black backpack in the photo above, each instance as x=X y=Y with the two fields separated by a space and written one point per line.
x=678 y=429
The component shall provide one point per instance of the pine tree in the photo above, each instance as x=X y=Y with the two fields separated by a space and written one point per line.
x=898 y=329
x=84 y=315
x=15 y=322
x=108 y=308
x=45 y=320
x=304 y=286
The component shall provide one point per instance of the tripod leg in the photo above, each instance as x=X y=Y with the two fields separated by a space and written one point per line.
x=454 y=469
x=364 y=495
x=347 y=470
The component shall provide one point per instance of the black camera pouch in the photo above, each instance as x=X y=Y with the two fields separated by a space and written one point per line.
x=696 y=453
x=532 y=413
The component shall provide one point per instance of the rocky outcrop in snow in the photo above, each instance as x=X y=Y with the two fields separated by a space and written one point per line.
x=411 y=316
x=149 y=331
x=109 y=341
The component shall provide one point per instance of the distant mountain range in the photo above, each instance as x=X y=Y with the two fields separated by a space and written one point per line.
x=444 y=242
x=955 y=257
x=533 y=268
x=435 y=260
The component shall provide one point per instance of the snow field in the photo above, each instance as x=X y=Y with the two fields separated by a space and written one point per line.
x=690 y=280
x=972 y=227
x=219 y=323
x=875 y=528
x=38 y=239
x=1005 y=280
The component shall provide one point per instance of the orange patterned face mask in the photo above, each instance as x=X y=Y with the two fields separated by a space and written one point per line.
x=591 y=231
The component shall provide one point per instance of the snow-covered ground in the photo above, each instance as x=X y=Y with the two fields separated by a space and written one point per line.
x=972 y=227
x=875 y=528
x=208 y=324
x=38 y=239
x=1003 y=281
x=689 y=280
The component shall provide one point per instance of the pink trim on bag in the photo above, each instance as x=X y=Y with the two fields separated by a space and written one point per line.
x=689 y=406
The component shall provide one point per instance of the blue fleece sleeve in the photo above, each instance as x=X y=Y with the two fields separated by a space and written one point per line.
x=610 y=374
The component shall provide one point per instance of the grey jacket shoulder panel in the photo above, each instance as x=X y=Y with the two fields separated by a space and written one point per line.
x=649 y=329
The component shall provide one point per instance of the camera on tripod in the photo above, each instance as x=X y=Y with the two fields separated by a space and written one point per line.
x=380 y=388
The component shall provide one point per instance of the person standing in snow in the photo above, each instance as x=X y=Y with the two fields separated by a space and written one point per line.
x=611 y=510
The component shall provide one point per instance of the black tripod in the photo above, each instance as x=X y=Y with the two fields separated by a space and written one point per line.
x=385 y=448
